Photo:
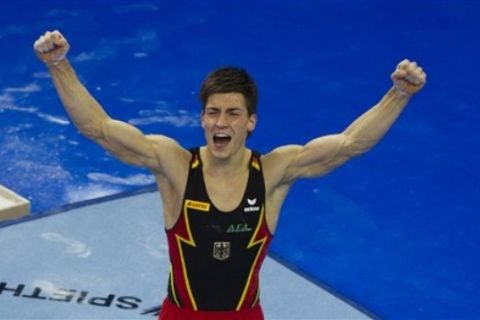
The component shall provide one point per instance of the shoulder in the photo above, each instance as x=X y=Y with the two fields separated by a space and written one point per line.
x=168 y=146
x=276 y=163
x=173 y=158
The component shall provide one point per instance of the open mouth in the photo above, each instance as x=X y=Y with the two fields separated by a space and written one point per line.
x=221 y=139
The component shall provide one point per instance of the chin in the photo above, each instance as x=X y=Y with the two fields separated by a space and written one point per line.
x=222 y=154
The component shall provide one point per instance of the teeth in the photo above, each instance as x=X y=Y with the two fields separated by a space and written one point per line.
x=221 y=135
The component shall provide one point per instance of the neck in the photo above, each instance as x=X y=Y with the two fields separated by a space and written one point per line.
x=230 y=167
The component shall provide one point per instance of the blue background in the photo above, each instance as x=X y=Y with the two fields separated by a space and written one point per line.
x=394 y=230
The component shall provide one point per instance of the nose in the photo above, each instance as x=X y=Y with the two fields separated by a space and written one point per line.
x=222 y=120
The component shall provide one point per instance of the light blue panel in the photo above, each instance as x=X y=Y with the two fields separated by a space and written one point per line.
x=110 y=261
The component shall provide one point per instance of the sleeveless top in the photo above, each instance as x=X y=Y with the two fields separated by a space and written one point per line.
x=216 y=256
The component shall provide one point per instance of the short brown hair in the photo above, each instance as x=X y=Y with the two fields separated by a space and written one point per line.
x=230 y=79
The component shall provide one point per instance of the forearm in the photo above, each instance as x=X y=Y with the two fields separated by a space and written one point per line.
x=369 y=128
x=83 y=109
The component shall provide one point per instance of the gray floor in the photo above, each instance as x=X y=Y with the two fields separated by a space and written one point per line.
x=109 y=260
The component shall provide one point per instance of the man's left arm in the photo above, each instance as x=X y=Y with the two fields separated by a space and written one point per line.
x=324 y=154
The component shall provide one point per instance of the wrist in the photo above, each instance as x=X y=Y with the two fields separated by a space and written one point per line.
x=62 y=64
x=400 y=92
x=58 y=63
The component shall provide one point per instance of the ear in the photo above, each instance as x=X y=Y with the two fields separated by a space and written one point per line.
x=202 y=121
x=252 y=122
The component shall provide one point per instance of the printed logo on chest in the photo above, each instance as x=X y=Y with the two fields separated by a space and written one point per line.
x=252 y=207
x=238 y=227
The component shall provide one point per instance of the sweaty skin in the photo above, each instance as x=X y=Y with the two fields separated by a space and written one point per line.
x=225 y=114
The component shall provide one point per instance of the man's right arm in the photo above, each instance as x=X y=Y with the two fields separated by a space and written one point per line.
x=119 y=138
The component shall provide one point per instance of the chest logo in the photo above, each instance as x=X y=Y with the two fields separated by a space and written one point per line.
x=237 y=228
x=221 y=250
x=252 y=207
x=197 y=205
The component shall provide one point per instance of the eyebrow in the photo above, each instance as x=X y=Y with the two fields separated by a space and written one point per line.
x=218 y=108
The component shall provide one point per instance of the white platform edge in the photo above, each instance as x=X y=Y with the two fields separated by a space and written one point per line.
x=12 y=205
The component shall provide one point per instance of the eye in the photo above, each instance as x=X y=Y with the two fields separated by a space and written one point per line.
x=211 y=112
x=234 y=113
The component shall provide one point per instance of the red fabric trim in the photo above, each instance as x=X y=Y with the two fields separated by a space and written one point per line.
x=170 y=311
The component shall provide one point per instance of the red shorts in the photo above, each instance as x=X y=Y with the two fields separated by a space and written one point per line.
x=170 y=311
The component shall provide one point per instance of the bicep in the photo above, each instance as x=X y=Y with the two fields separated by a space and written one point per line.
x=318 y=157
x=127 y=143
x=158 y=153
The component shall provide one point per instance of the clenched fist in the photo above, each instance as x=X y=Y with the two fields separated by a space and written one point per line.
x=409 y=78
x=52 y=47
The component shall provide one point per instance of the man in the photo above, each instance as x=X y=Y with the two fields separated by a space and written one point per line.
x=221 y=202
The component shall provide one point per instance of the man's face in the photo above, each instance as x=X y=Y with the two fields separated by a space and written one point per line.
x=226 y=123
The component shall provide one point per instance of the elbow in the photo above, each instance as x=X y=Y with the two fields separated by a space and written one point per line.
x=354 y=147
x=93 y=130
x=90 y=132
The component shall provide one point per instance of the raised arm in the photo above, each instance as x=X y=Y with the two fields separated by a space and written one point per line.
x=324 y=154
x=119 y=138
